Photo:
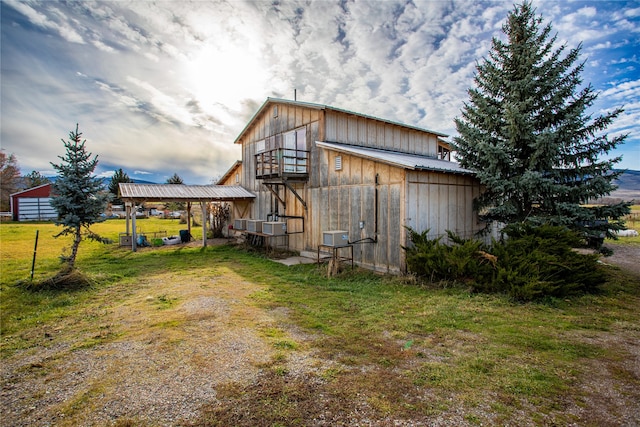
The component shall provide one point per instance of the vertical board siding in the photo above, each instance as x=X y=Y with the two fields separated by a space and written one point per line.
x=355 y=201
x=342 y=199
x=382 y=247
x=351 y=129
x=368 y=214
x=444 y=203
x=395 y=224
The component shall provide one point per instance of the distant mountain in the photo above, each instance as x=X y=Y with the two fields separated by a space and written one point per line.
x=628 y=186
x=107 y=180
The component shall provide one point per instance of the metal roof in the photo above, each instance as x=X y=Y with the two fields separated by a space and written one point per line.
x=326 y=107
x=183 y=193
x=30 y=189
x=403 y=160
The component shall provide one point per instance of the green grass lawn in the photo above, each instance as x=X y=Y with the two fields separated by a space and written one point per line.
x=394 y=341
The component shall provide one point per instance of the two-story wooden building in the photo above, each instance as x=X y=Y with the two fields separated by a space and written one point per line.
x=321 y=169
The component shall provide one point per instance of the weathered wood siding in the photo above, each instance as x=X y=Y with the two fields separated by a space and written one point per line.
x=439 y=202
x=345 y=198
x=368 y=132
x=231 y=179
x=288 y=117
x=382 y=197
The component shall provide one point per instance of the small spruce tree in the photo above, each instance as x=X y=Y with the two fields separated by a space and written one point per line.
x=175 y=206
x=118 y=177
x=35 y=179
x=527 y=134
x=175 y=179
x=78 y=196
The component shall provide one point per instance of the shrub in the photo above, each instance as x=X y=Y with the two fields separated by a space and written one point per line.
x=539 y=261
x=433 y=260
x=532 y=263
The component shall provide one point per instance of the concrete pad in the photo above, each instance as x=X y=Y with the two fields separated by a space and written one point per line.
x=295 y=260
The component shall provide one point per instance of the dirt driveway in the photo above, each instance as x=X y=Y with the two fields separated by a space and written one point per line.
x=159 y=351
x=184 y=337
x=625 y=256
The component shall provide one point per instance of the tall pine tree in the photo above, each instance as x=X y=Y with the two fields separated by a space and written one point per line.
x=78 y=196
x=527 y=133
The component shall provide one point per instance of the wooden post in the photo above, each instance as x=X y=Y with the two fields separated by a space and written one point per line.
x=189 y=217
x=127 y=214
x=204 y=224
x=133 y=225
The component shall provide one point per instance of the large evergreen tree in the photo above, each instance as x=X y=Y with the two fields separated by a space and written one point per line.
x=78 y=196
x=114 y=187
x=527 y=133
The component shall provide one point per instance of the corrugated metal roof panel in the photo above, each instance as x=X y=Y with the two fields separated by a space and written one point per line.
x=403 y=160
x=180 y=192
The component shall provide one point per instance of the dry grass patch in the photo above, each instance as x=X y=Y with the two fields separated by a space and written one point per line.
x=159 y=349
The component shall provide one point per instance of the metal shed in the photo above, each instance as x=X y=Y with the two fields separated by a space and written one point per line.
x=133 y=194
x=33 y=204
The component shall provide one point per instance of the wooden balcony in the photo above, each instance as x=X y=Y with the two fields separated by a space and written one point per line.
x=282 y=163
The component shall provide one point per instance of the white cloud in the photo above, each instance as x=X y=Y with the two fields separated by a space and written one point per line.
x=162 y=86
x=632 y=13
x=66 y=31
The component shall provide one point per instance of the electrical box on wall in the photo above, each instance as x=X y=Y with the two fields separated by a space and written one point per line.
x=274 y=228
x=254 y=225
x=335 y=238
x=240 y=224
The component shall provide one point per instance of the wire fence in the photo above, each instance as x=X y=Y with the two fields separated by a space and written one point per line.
x=632 y=219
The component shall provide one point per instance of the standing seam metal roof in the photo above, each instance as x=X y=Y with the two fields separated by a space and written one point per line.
x=181 y=192
x=395 y=158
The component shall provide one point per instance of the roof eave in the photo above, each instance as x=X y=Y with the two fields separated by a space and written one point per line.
x=407 y=166
x=452 y=171
x=29 y=189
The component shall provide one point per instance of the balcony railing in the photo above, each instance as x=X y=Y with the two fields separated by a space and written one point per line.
x=281 y=163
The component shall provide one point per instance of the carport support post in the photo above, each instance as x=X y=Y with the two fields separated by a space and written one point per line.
x=189 y=218
x=204 y=224
x=133 y=225
x=127 y=214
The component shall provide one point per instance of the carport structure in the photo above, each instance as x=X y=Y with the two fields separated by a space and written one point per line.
x=134 y=194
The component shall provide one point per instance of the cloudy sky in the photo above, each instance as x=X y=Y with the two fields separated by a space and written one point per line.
x=165 y=87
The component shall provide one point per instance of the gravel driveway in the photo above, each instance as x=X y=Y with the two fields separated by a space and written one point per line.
x=169 y=362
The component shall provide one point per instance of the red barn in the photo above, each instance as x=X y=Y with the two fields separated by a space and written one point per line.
x=33 y=204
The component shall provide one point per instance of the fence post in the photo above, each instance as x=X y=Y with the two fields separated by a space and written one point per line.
x=35 y=250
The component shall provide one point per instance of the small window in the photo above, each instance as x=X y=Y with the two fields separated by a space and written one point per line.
x=275 y=111
x=444 y=153
x=237 y=177
x=338 y=163
x=260 y=146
